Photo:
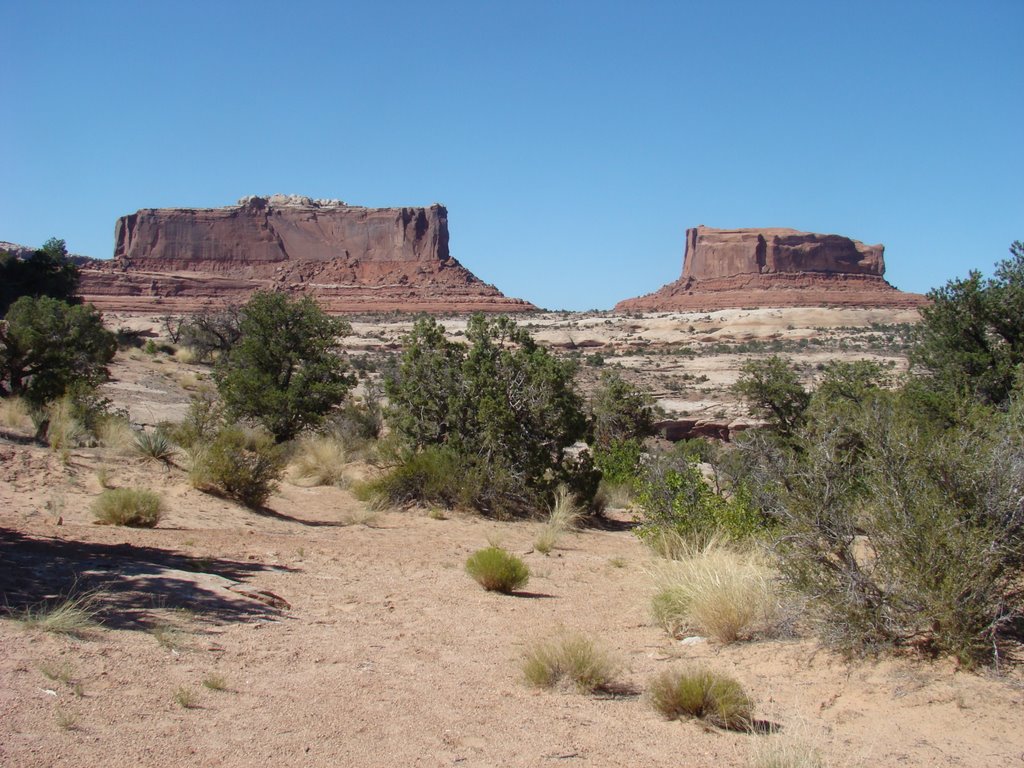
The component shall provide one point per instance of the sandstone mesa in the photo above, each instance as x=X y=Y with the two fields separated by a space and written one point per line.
x=349 y=258
x=727 y=268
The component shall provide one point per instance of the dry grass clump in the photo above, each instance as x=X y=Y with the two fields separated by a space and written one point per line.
x=73 y=616
x=116 y=435
x=185 y=355
x=186 y=698
x=570 y=658
x=133 y=507
x=700 y=693
x=318 y=460
x=15 y=414
x=497 y=570
x=722 y=592
x=64 y=431
x=565 y=515
x=215 y=682
x=785 y=751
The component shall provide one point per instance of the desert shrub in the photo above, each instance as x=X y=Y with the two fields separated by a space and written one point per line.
x=133 y=507
x=619 y=460
x=47 y=346
x=565 y=514
x=241 y=464
x=497 y=570
x=970 y=341
x=285 y=371
x=700 y=693
x=719 y=591
x=360 y=420
x=318 y=460
x=201 y=425
x=48 y=271
x=503 y=407
x=773 y=390
x=674 y=496
x=619 y=412
x=570 y=658
x=154 y=445
x=212 y=333
x=899 y=531
x=15 y=414
x=433 y=475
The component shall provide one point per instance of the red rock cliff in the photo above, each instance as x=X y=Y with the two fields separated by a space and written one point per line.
x=725 y=268
x=348 y=257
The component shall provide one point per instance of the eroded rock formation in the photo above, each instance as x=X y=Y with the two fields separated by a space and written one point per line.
x=350 y=258
x=725 y=268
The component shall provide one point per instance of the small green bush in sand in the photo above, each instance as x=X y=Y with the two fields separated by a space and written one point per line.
x=700 y=693
x=571 y=658
x=241 y=464
x=133 y=507
x=497 y=571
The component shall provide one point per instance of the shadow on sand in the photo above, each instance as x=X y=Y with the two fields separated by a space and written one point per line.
x=126 y=582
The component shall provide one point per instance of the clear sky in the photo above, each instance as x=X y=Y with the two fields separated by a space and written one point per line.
x=573 y=142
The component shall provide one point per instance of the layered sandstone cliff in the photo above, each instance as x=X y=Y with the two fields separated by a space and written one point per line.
x=724 y=268
x=350 y=258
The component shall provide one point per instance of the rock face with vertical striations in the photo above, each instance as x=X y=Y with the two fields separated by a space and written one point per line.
x=724 y=268
x=350 y=258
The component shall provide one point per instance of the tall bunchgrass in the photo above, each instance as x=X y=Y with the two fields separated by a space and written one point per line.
x=15 y=414
x=116 y=435
x=700 y=693
x=318 y=460
x=132 y=507
x=564 y=515
x=64 y=431
x=569 y=658
x=726 y=593
x=74 y=616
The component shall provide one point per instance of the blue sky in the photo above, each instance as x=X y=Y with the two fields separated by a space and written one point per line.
x=572 y=142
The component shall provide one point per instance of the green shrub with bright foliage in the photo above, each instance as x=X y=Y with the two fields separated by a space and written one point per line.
x=496 y=413
x=47 y=347
x=286 y=371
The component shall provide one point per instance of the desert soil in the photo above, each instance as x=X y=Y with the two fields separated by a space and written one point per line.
x=347 y=637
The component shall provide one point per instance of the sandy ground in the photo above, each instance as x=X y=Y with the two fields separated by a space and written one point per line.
x=345 y=638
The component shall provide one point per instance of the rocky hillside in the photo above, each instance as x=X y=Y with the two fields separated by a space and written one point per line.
x=725 y=268
x=350 y=258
